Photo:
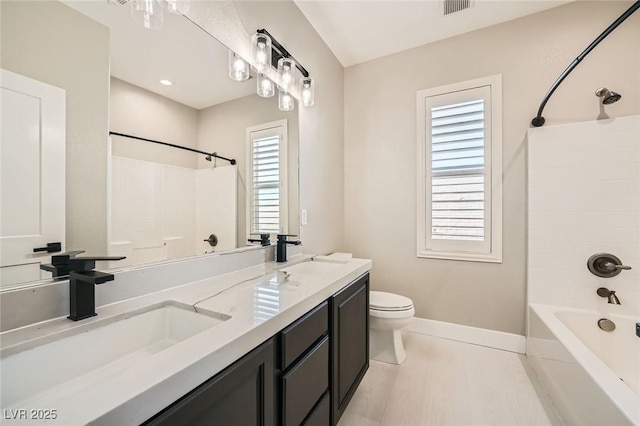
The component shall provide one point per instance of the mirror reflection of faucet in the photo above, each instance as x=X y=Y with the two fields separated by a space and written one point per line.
x=280 y=278
x=264 y=240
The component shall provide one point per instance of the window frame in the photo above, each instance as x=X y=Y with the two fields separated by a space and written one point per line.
x=280 y=128
x=462 y=249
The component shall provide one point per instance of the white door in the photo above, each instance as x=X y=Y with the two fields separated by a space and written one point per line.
x=32 y=175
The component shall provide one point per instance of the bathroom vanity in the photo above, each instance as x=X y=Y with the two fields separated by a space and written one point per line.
x=239 y=349
x=306 y=374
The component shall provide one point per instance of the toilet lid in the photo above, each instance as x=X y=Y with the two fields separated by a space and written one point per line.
x=383 y=301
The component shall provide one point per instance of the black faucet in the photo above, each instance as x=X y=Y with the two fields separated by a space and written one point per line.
x=281 y=247
x=264 y=240
x=609 y=294
x=82 y=280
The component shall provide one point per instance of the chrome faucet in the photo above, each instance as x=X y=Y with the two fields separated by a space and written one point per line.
x=610 y=295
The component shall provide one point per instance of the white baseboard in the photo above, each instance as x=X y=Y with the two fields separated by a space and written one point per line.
x=462 y=333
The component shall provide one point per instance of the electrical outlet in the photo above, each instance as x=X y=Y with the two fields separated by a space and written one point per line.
x=303 y=217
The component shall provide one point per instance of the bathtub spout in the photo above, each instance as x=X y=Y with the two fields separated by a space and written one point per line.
x=610 y=295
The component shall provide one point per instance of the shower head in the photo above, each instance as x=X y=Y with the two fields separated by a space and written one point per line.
x=607 y=96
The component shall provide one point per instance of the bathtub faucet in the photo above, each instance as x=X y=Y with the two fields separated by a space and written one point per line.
x=610 y=295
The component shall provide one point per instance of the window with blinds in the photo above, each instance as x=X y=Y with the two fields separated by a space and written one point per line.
x=457 y=171
x=459 y=137
x=266 y=178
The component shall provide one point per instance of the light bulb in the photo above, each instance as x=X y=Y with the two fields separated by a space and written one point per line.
x=238 y=67
x=179 y=7
x=148 y=13
x=285 y=101
x=307 y=90
x=261 y=44
x=265 y=86
x=286 y=71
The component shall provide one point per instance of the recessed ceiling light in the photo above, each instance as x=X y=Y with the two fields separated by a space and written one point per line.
x=166 y=82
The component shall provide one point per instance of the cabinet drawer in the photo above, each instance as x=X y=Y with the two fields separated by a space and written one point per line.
x=305 y=383
x=321 y=415
x=300 y=335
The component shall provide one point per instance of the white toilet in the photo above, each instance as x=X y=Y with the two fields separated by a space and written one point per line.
x=388 y=313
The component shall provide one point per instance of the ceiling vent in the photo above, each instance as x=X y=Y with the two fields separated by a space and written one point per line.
x=118 y=2
x=453 y=6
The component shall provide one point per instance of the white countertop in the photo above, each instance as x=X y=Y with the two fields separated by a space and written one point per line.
x=135 y=394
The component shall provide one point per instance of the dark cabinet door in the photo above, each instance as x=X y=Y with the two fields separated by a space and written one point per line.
x=241 y=395
x=350 y=343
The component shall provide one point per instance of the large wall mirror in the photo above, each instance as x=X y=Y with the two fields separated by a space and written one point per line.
x=134 y=198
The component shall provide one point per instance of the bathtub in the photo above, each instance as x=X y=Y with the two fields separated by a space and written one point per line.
x=592 y=376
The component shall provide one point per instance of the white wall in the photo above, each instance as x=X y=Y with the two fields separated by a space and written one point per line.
x=139 y=112
x=321 y=127
x=380 y=147
x=42 y=40
x=584 y=199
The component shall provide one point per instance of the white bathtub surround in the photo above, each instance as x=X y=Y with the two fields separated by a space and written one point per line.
x=152 y=203
x=138 y=390
x=591 y=375
x=463 y=333
x=584 y=198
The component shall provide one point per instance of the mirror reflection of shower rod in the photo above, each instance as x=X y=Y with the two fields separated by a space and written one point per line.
x=207 y=155
x=538 y=120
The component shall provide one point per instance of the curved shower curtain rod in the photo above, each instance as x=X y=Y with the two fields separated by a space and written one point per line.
x=538 y=120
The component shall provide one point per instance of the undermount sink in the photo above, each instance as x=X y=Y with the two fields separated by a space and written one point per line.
x=87 y=355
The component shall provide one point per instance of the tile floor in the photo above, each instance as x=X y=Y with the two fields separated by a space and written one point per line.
x=443 y=382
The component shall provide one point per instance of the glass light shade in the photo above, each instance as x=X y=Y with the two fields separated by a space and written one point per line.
x=238 y=67
x=307 y=88
x=266 y=87
x=285 y=101
x=286 y=72
x=148 y=13
x=261 y=51
x=179 y=7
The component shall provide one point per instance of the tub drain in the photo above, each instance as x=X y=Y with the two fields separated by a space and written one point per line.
x=606 y=324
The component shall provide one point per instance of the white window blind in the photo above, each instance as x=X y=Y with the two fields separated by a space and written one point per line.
x=457 y=171
x=459 y=187
x=267 y=178
x=266 y=185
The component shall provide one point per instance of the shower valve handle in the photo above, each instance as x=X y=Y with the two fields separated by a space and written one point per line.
x=612 y=266
x=606 y=265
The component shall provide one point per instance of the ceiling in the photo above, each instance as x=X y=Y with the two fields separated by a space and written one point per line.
x=360 y=30
x=180 y=52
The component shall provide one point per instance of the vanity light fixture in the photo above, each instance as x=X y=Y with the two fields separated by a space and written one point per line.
x=269 y=53
x=266 y=87
x=238 y=67
x=148 y=13
x=178 y=7
x=285 y=101
x=166 y=82
x=261 y=44
x=307 y=88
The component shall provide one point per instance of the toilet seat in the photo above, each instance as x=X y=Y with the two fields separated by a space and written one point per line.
x=383 y=301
